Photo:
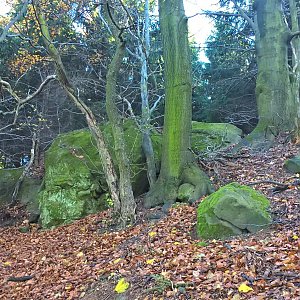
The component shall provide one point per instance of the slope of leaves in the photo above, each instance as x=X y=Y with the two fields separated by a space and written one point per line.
x=164 y=260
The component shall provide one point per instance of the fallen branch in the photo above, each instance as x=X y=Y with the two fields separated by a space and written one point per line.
x=20 y=279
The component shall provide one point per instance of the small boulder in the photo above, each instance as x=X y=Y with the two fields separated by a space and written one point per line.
x=186 y=192
x=232 y=210
x=293 y=164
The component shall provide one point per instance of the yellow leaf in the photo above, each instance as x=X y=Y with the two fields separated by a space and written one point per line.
x=152 y=233
x=7 y=264
x=295 y=237
x=68 y=287
x=150 y=261
x=122 y=286
x=79 y=254
x=117 y=260
x=177 y=243
x=244 y=288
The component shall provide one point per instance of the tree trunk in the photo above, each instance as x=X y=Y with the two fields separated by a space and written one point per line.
x=146 y=143
x=176 y=156
x=126 y=194
x=295 y=67
x=275 y=98
x=108 y=168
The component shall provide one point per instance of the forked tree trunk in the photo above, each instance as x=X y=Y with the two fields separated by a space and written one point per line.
x=176 y=157
x=126 y=194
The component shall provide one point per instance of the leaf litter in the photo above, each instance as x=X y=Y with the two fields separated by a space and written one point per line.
x=163 y=259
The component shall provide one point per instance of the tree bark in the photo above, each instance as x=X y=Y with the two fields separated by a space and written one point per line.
x=146 y=143
x=127 y=213
x=295 y=70
x=275 y=87
x=128 y=205
x=178 y=104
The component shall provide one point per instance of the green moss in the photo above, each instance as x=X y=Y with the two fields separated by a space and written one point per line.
x=207 y=137
x=233 y=209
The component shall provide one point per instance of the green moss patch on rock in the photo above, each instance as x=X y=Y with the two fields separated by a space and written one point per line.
x=293 y=164
x=74 y=180
x=209 y=137
x=232 y=210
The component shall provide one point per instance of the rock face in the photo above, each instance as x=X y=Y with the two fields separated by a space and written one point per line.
x=74 y=181
x=207 y=137
x=232 y=210
x=293 y=164
x=27 y=194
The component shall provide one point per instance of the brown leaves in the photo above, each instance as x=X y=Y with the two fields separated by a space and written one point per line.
x=162 y=259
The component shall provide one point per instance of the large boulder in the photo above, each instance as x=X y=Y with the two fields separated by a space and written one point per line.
x=232 y=210
x=293 y=164
x=209 y=137
x=28 y=192
x=74 y=181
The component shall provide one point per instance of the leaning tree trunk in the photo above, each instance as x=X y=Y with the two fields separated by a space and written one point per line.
x=275 y=99
x=108 y=167
x=176 y=157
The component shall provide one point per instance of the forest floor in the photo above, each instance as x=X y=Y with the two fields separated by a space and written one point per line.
x=163 y=259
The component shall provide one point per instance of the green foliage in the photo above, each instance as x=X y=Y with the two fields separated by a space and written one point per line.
x=227 y=90
x=161 y=283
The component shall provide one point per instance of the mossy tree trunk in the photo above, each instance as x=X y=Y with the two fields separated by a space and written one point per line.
x=108 y=167
x=275 y=101
x=277 y=85
x=176 y=156
x=294 y=6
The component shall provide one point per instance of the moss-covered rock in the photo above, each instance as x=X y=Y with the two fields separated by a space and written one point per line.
x=8 y=180
x=232 y=210
x=208 y=137
x=185 y=192
x=74 y=180
x=293 y=164
x=28 y=192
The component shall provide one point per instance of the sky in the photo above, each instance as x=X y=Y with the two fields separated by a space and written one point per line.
x=199 y=26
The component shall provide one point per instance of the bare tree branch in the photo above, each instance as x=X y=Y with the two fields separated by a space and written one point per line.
x=14 y=20
x=6 y=86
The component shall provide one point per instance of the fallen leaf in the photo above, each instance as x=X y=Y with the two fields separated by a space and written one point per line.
x=150 y=261
x=122 y=286
x=152 y=233
x=244 y=288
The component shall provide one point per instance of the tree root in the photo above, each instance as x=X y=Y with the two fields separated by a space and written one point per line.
x=165 y=190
